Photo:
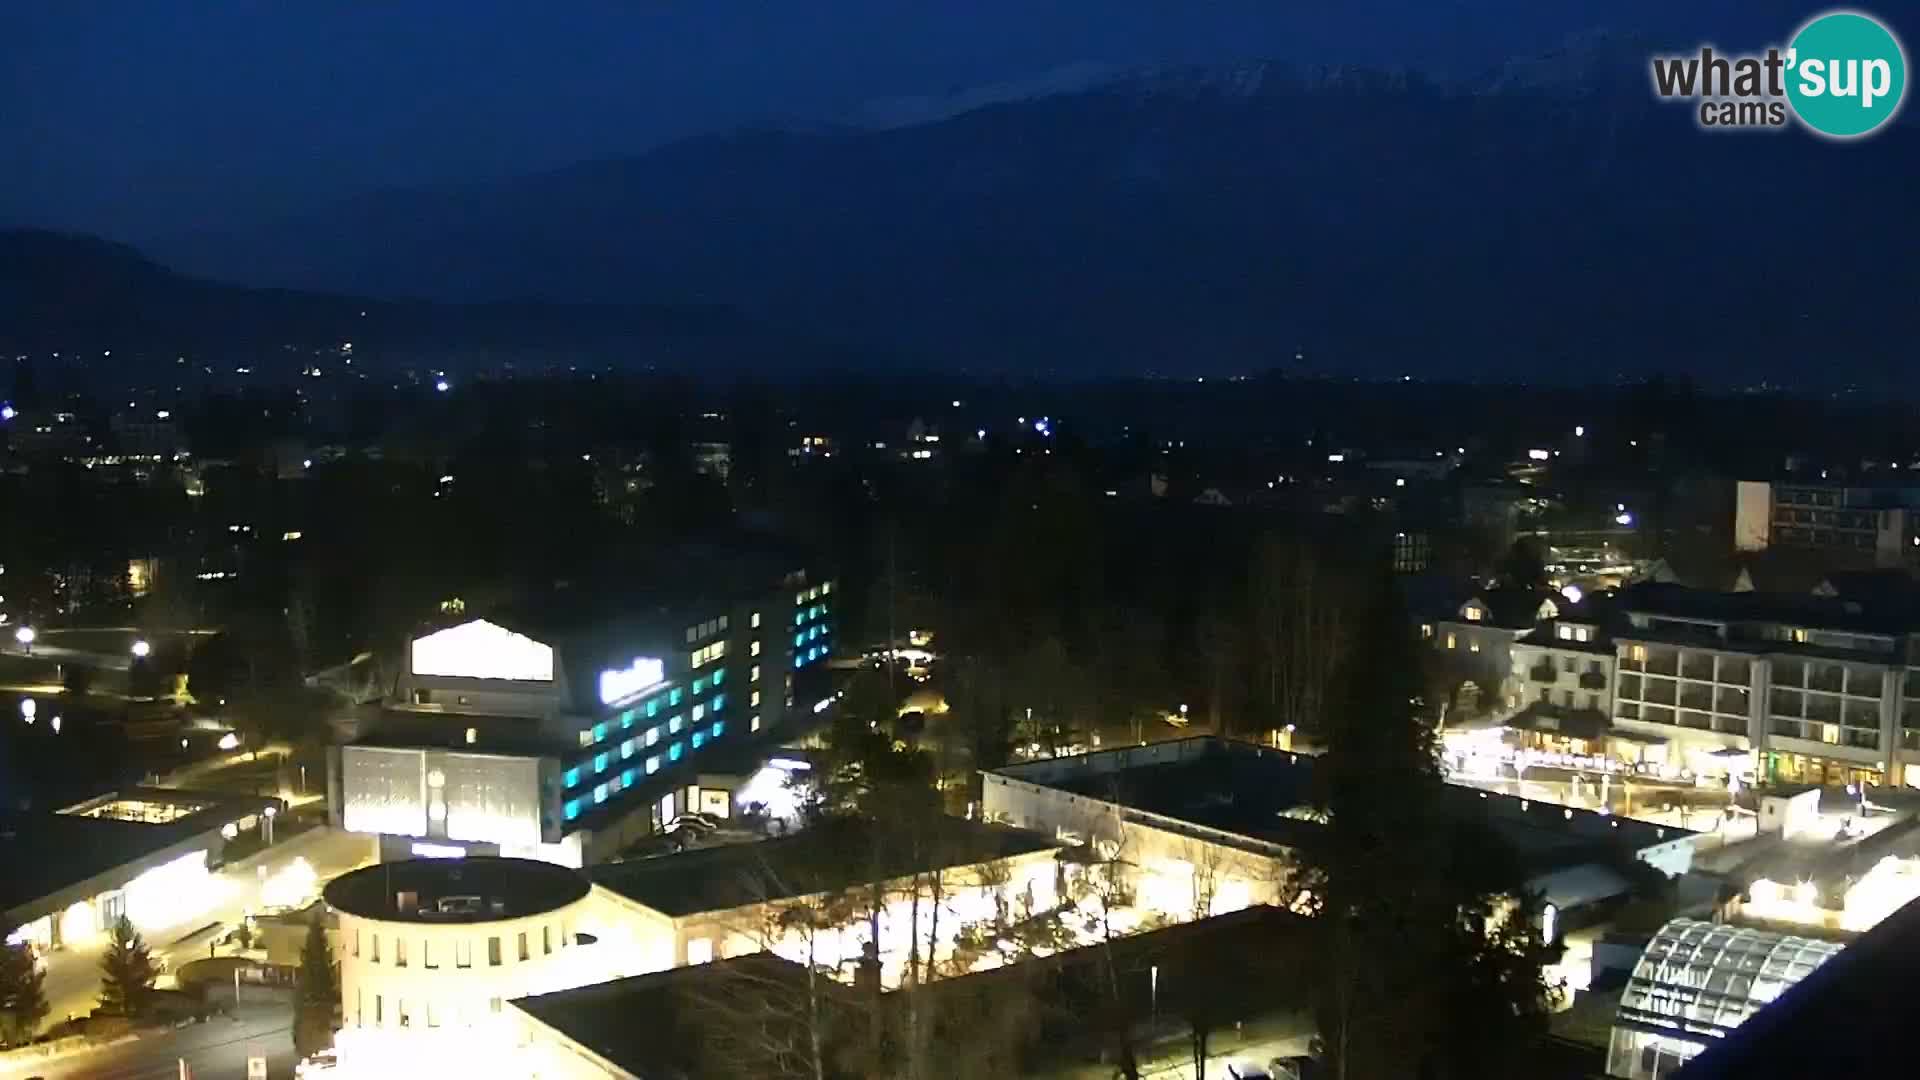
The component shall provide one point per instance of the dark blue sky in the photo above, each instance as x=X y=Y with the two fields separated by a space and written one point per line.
x=135 y=118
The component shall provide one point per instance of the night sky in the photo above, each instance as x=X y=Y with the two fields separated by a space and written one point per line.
x=137 y=119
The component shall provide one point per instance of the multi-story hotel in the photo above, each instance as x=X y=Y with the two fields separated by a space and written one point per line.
x=569 y=729
x=1817 y=689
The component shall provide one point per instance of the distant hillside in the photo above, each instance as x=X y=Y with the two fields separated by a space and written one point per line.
x=64 y=290
x=1549 y=220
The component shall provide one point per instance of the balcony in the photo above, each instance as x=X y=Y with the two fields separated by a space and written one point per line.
x=1593 y=680
x=1545 y=673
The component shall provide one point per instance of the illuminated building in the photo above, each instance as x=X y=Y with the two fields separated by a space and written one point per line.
x=143 y=853
x=1208 y=816
x=736 y=899
x=1694 y=984
x=1877 y=525
x=430 y=950
x=571 y=728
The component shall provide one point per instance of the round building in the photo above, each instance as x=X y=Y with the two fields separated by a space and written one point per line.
x=430 y=951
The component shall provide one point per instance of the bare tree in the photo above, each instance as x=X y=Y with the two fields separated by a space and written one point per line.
x=1299 y=618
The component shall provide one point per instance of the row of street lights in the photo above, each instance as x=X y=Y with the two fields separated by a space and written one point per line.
x=141 y=648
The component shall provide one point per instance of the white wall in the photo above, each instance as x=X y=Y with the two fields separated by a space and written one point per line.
x=1752 y=515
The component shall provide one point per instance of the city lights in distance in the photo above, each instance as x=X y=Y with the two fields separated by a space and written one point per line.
x=1572 y=593
x=443 y=386
x=8 y=412
x=1538 y=455
x=142 y=649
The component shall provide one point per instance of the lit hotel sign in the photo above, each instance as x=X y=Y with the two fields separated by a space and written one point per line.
x=624 y=683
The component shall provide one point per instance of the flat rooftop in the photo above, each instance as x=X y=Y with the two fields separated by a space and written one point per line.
x=42 y=853
x=1263 y=794
x=661 y=1023
x=470 y=890
x=820 y=859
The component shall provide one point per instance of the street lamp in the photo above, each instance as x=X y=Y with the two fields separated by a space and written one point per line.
x=267 y=819
x=142 y=650
x=25 y=636
x=27 y=709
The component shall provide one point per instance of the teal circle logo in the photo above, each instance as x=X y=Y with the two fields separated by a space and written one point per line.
x=1846 y=74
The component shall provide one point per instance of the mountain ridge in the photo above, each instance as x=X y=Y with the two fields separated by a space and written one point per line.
x=1220 y=219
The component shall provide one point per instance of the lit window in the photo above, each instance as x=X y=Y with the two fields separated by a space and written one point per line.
x=754 y=650
x=826 y=587
x=653 y=708
x=599 y=733
x=699 y=713
x=693 y=634
x=723 y=622
x=462 y=953
x=586 y=736
x=572 y=777
x=1470 y=613
x=674 y=697
x=699 y=687
x=653 y=764
x=754 y=725
x=626 y=749
x=1426 y=630
x=719 y=728
x=599 y=793
x=626 y=720
x=755 y=621
x=1473 y=645
x=653 y=736
x=600 y=763
x=1637 y=653
x=699 y=739
x=719 y=702
x=493 y=960
x=674 y=725
x=676 y=752
x=472 y=735
x=572 y=809
x=719 y=676
x=754 y=675
x=1450 y=641
x=627 y=778
x=755 y=699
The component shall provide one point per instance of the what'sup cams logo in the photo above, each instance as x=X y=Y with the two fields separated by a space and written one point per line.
x=1843 y=76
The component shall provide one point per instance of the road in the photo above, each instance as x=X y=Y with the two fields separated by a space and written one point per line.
x=215 y=1050
x=73 y=974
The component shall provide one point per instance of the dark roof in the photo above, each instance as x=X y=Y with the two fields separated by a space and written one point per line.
x=663 y=1025
x=506 y=888
x=1600 y=644
x=1245 y=789
x=1848 y=1017
x=1515 y=609
x=823 y=858
x=42 y=853
x=1805 y=609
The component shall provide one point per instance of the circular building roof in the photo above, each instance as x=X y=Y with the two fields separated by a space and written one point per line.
x=469 y=890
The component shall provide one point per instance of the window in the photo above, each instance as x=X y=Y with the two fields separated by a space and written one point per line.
x=653 y=708
x=753 y=675
x=675 y=752
x=586 y=736
x=719 y=702
x=626 y=748
x=524 y=954
x=699 y=739
x=493 y=1005
x=1471 y=613
x=1569 y=664
x=600 y=762
x=626 y=720
x=674 y=697
x=376 y=948
x=472 y=735
x=674 y=725
x=493 y=954
x=653 y=764
x=653 y=735
x=693 y=634
x=462 y=953
x=723 y=622
x=699 y=713
x=754 y=649
x=1637 y=653
x=599 y=733
x=426 y=954
x=356 y=941
x=599 y=795
x=546 y=940
x=754 y=724
x=719 y=676
x=754 y=699
x=1474 y=645
x=754 y=622
x=1450 y=641
x=379 y=1010
x=699 y=687
x=572 y=809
